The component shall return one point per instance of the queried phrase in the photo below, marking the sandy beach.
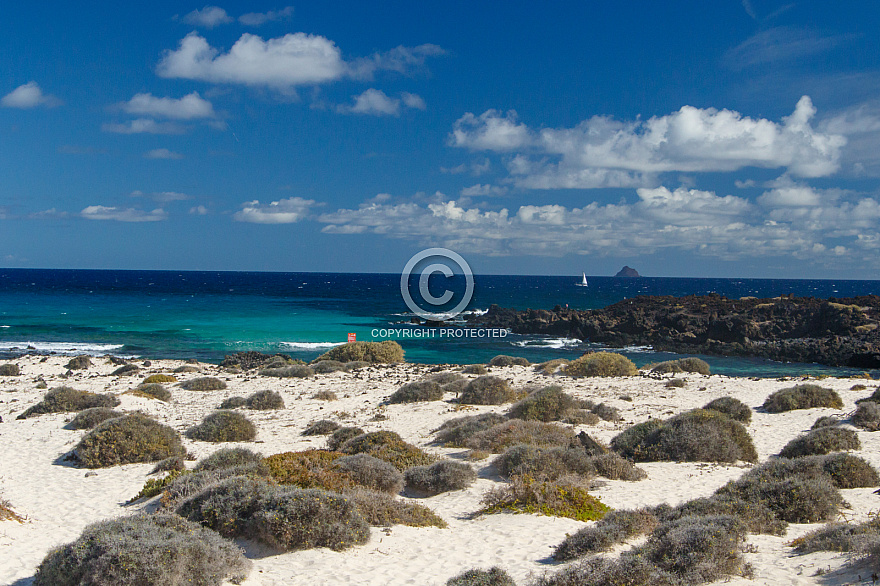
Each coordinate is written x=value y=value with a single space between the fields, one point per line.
x=57 y=499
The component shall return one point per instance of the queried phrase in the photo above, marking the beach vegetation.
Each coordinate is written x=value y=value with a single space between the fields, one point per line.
x=606 y=412
x=546 y=404
x=613 y=466
x=159 y=378
x=733 y=408
x=479 y=369
x=308 y=469
x=186 y=368
x=417 y=391
x=89 y=418
x=487 y=390
x=66 y=399
x=126 y=370
x=567 y=496
x=388 y=446
x=189 y=484
x=504 y=360
x=615 y=527
x=381 y=509
x=691 y=364
x=675 y=383
x=385 y=352
x=580 y=417
x=550 y=367
x=204 y=383
x=842 y=537
x=151 y=391
x=325 y=395
x=155 y=486
x=494 y=576
x=442 y=476
x=128 y=439
x=873 y=397
x=6 y=512
x=601 y=364
x=455 y=432
x=78 y=363
x=293 y=371
x=328 y=366
x=355 y=365
x=546 y=463
x=225 y=458
x=265 y=400
x=825 y=421
x=503 y=435
x=445 y=378
x=806 y=396
x=371 y=473
x=223 y=426
x=174 y=463
x=867 y=416
x=322 y=427
x=342 y=435
x=233 y=402
x=820 y=441
x=848 y=470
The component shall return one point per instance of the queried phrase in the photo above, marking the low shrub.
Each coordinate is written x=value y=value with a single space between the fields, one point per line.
x=325 y=396
x=126 y=370
x=355 y=365
x=155 y=486
x=552 y=366
x=821 y=441
x=694 y=436
x=581 y=417
x=145 y=550
x=228 y=458
x=172 y=464
x=309 y=469
x=546 y=404
x=442 y=476
x=89 y=418
x=867 y=416
x=385 y=352
x=825 y=421
x=615 y=467
x=733 y=408
x=204 y=383
x=494 y=576
x=417 y=391
x=474 y=369
x=756 y=515
x=455 y=432
x=675 y=383
x=601 y=364
x=544 y=463
x=388 y=446
x=78 y=363
x=848 y=471
x=843 y=537
x=284 y=518
x=381 y=509
x=233 y=403
x=6 y=512
x=186 y=368
x=606 y=412
x=874 y=397
x=265 y=400
x=185 y=486
x=370 y=472
x=683 y=365
x=805 y=396
x=504 y=360
x=66 y=400
x=487 y=390
x=615 y=527
x=328 y=366
x=564 y=497
x=128 y=439
x=445 y=378
x=223 y=426
x=295 y=371
x=342 y=435
x=159 y=378
x=516 y=431
x=152 y=391
x=321 y=427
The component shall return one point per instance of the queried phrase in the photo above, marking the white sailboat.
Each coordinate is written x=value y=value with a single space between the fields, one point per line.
x=583 y=282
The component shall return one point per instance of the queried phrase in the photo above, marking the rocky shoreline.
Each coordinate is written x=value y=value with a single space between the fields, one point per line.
x=834 y=331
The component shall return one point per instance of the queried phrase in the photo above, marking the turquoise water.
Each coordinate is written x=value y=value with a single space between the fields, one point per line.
x=206 y=315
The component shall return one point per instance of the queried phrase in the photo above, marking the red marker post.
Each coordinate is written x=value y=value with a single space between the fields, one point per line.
x=352 y=337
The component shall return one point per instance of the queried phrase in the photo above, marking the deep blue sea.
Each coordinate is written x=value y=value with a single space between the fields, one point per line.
x=206 y=315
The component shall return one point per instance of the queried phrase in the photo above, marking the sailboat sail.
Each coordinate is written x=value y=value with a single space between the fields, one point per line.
x=583 y=282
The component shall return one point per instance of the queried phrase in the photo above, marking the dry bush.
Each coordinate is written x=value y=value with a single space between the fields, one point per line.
x=516 y=431
x=186 y=368
x=825 y=421
x=172 y=464
x=204 y=383
x=228 y=458
x=309 y=469
x=546 y=404
x=233 y=403
x=867 y=416
x=551 y=366
x=189 y=484
x=843 y=537
x=342 y=435
x=606 y=412
x=126 y=370
x=370 y=472
x=805 y=396
x=265 y=400
x=601 y=364
x=564 y=497
x=544 y=463
x=581 y=417
x=445 y=378
x=821 y=441
x=321 y=427
x=159 y=378
x=388 y=446
x=78 y=363
x=295 y=371
x=758 y=517
x=615 y=527
x=10 y=369
x=381 y=509
x=494 y=576
x=504 y=360
x=385 y=352
x=683 y=365
x=152 y=391
x=442 y=476
x=128 y=439
x=89 y=418
x=474 y=369
x=66 y=400
x=875 y=397
x=615 y=467
x=675 y=383
x=733 y=408
x=145 y=550
x=694 y=436
x=356 y=365
x=848 y=471
x=223 y=426
x=487 y=390
x=417 y=391
x=328 y=366
x=455 y=432
x=325 y=396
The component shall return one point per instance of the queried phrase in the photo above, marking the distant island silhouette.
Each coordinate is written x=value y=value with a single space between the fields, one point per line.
x=627 y=272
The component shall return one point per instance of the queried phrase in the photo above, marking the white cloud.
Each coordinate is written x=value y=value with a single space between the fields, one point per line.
x=162 y=196
x=162 y=154
x=413 y=101
x=285 y=211
x=781 y=43
x=48 y=214
x=144 y=126
x=189 y=107
x=372 y=102
x=476 y=168
x=27 y=96
x=123 y=215
x=603 y=152
x=207 y=17
x=261 y=18
x=282 y=63
x=198 y=211
x=744 y=184
x=483 y=189
x=788 y=193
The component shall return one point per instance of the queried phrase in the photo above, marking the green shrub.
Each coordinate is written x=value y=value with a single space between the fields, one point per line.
x=186 y=368
x=825 y=421
x=283 y=518
x=325 y=396
x=128 y=439
x=867 y=416
x=733 y=408
x=552 y=366
x=223 y=426
x=126 y=370
x=805 y=396
x=355 y=365
x=295 y=371
x=821 y=441
x=370 y=472
x=204 y=383
x=504 y=360
x=601 y=364
x=328 y=366
x=385 y=352
x=682 y=365
x=606 y=412
x=146 y=550
x=78 y=363
x=233 y=403
x=381 y=509
x=414 y=392
x=309 y=469
x=228 y=458
x=152 y=391
x=547 y=404
x=564 y=497
x=615 y=467
x=155 y=486
x=492 y=577
x=188 y=485
x=455 y=432
x=265 y=400
x=342 y=435
x=756 y=515
x=442 y=476
x=172 y=464
x=581 y=417
x=516 y=431
x=694 y=436
x=848 y=471
x=388 y=446
x=159 y=378
x=474 y=369
x=874 y=397
x=89 y=418
x=544 y=463
x=445 y=378
x=487 y=390
x=66 y=400
x=321 y=427
x=843 y=537
x=615 y=527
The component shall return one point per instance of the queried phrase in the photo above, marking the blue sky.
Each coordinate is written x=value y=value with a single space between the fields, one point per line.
x=681 y=138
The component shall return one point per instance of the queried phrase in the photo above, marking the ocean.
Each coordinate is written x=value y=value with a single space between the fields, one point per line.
x=206 y=315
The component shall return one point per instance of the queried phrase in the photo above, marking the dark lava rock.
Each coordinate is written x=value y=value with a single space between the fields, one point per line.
x=627 y=272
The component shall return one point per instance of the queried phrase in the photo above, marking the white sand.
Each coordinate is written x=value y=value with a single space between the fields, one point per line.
x=59 y=500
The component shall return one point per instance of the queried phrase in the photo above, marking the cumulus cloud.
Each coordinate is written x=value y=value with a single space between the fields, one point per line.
x=144 y=126
x=261 y=18
x=207 y=17
x=123 y=215
x=375 y=102
x=162 y=154
x=189 y=107
x=483 y=189
x=198 y=211
x=413 y=101
x=285 y=211
x=400 y=59
x=603 y=152
x=29 y=95
x=476 y=168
